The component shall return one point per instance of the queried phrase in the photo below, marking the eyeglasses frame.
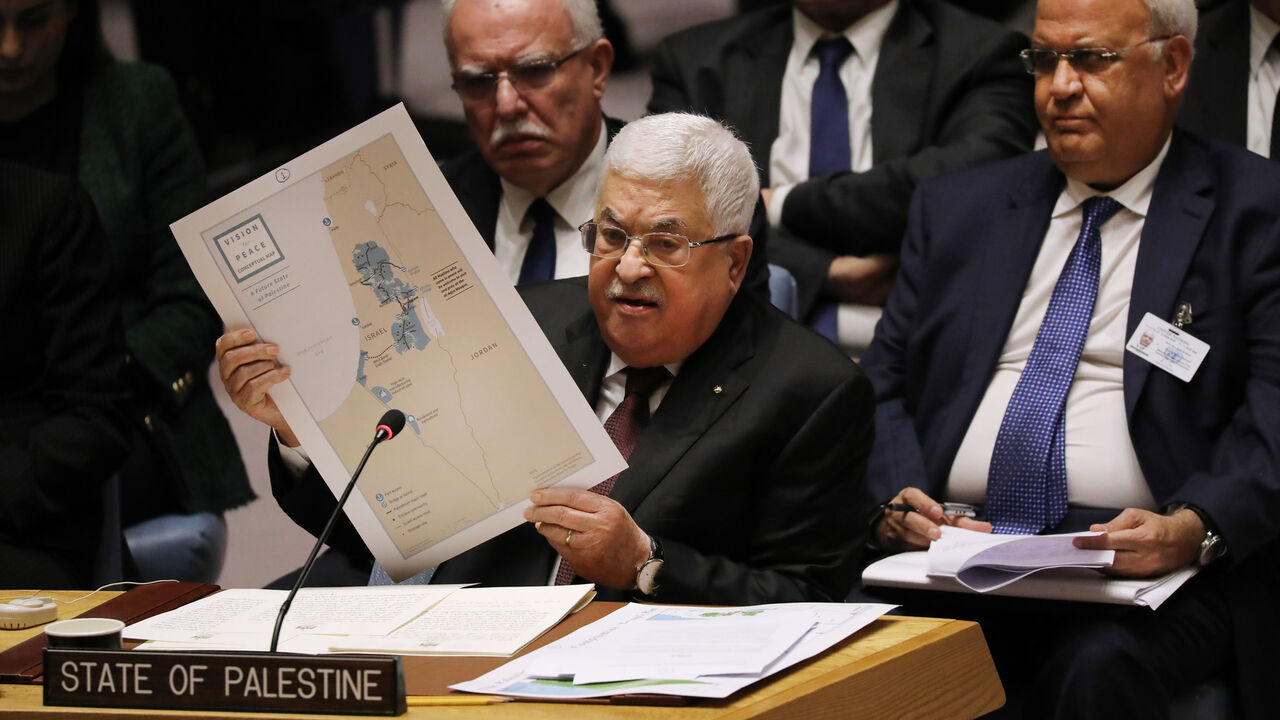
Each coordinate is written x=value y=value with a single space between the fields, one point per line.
x=1114 y=55
x=644 y=247
x=498 y=76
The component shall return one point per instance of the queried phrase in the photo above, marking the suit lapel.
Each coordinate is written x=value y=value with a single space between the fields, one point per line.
x=584 y=355
x=1180 y=208
x=1011 y=244
x=692 y=404
x=900 y=86
x=753 y=90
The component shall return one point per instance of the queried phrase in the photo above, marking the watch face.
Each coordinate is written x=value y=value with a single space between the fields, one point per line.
x=647 y=578
x=1211 y=548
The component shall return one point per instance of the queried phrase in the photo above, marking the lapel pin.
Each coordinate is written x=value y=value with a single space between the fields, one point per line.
x=717 y=389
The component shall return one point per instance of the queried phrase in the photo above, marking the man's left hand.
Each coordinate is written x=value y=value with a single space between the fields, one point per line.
x=606 y=545
x=1147 y=544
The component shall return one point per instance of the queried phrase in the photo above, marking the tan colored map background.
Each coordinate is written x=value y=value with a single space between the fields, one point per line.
x=488 y=430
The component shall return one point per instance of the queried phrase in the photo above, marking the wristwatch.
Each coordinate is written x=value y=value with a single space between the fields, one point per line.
x=1212 y=546
x=647 y=573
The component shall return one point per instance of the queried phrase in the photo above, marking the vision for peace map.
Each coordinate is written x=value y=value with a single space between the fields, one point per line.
x=358 y=261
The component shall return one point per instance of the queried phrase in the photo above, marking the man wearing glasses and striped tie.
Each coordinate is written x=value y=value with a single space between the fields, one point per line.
x=1088 y=338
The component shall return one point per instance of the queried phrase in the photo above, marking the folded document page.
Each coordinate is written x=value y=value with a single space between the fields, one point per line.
x=551 y=672
x=911 y=570
x=985 y=561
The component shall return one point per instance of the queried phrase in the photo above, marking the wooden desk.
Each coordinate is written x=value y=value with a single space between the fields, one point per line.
x=897 y=667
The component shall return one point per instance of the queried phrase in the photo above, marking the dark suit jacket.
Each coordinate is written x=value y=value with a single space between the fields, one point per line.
x=479 y=190
x=949 y=92
x=140 y=164
x=749 y=488
x=1211 y=238
x=63 y=398
x=1217 y=95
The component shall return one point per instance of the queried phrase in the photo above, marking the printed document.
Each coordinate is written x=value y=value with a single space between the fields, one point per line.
x=358 y=261
x=539 y=674
x=407 y=619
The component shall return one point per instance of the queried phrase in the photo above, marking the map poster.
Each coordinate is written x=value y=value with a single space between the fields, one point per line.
x=358 y=261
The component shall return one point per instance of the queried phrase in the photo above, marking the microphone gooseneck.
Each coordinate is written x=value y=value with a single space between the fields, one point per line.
x=389 y=425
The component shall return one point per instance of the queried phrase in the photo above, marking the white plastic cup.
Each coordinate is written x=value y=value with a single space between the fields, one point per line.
x=85 y=634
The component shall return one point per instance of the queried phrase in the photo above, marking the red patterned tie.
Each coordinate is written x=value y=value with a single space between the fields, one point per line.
x=624 y=426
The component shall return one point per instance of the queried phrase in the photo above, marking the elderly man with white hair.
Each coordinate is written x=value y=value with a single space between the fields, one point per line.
x=1088 y=339
x=746 y=434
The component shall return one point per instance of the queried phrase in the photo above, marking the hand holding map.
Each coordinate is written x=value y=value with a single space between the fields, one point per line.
x=358 y=262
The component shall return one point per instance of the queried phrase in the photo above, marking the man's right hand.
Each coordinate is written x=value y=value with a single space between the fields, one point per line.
x=899 y=531
x=249 y=370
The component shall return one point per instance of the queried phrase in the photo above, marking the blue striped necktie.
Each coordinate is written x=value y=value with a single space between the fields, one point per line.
x=1027 y=481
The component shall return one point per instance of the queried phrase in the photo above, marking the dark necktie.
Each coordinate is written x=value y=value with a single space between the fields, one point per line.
x=829 y=143
x=624 y=426
x=540 y=259
x=1275 y=113
x=829 y=112
x=1027 y=480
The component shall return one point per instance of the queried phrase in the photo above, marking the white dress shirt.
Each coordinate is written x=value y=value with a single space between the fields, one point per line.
x=1102 y=468
x=1264 y=81
x=574 y=201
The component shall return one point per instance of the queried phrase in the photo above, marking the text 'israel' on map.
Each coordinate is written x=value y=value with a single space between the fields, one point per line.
x=359 y=262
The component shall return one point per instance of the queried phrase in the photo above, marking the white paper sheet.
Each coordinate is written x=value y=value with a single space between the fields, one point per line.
x=249 y=613
x=835 y=622
x=682 y=643
x=985 y=561
x=497 y=621
x=911 y=570
x=359 y=262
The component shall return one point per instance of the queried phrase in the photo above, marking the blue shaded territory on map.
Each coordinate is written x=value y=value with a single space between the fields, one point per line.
x=381 y=393
x=413 y=423
x=360 y=376
x=378 y=273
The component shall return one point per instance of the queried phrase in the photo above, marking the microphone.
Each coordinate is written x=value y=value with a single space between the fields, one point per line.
x=389 y=425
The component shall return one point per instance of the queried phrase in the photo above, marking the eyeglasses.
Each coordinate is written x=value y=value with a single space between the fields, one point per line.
x=659 y=248
x=475 y=87
x=1089 y=61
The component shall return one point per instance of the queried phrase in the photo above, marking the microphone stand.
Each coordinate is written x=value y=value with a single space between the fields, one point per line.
x=324 y=535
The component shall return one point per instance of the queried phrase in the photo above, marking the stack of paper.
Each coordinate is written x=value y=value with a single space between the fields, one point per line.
x=1045 y=566
x=984 y=561
x=674 y=650
x=409 y=619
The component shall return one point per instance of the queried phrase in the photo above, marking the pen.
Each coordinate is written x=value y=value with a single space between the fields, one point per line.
x=948 y=508
x=440 y=700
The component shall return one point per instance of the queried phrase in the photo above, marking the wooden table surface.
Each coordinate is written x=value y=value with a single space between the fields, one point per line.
x=897 y=667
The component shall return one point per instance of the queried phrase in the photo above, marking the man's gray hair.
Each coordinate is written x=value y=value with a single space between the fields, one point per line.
x=583 y=18
x=675 y=146
x=1173 y=17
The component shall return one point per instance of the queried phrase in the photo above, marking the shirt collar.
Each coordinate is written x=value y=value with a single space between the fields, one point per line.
x=1262 y=32
x=616 y=365
x=575 y=198
x=1134 y=194
x=865 y=35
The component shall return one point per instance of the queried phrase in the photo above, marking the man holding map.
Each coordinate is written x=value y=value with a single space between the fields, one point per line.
x=746 y=434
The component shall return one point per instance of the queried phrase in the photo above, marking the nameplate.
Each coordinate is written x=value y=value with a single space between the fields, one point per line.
x=225 y=681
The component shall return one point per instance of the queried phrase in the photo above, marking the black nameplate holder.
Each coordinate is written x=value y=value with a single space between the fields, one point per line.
x=225 y=681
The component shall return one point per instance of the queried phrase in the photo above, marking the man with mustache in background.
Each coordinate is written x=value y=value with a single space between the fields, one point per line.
x=530 y=76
